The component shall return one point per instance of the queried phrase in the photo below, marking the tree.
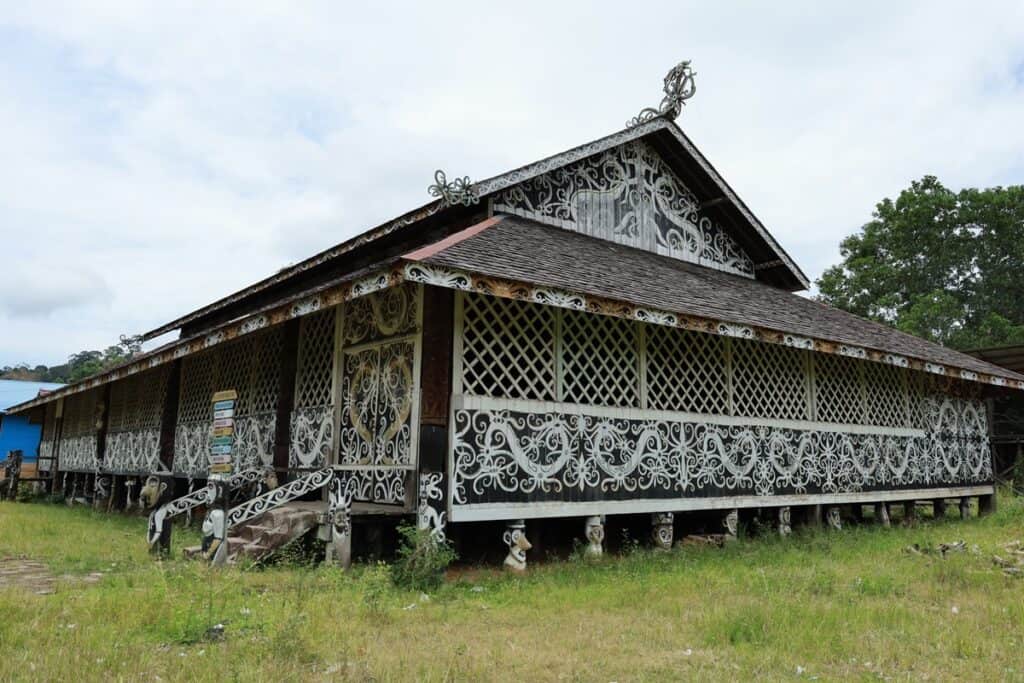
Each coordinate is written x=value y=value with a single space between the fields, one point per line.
x=80 y=365
x=943 y=265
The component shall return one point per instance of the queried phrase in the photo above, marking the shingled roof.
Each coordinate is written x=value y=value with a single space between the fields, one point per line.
x=518 y=249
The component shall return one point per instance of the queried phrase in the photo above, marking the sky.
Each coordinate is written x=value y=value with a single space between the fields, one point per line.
x=157 y=156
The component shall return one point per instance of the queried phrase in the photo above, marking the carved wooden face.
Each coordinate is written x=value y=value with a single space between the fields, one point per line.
x=151 y=491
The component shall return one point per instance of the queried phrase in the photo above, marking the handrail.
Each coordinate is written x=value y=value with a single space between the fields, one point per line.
x=279 y=496
x=203 y=496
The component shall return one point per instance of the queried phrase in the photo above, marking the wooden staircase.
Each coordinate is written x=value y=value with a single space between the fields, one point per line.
x=260 y=536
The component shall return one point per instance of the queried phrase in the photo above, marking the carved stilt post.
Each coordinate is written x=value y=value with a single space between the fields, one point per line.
x=731 y=522
x=339 y=519
x=129 y=494
x=594 y=531
x=430 y=512
x=882 y=514
x=939 y=508
x=965 y=507
x=515 y=539
x=814 y=516
x=662 y=530
x=785 y=521
x=834 y=517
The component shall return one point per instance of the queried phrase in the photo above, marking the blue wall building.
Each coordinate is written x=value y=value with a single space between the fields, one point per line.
x=17 y=432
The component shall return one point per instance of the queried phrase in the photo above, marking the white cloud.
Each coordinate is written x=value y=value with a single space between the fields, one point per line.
x=177 y=153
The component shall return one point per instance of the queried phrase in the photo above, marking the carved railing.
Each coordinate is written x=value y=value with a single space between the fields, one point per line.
x=279 y=496
x=203 y=496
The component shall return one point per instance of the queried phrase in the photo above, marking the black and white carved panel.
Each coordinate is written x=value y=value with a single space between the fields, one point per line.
x=312 y=437
x=502 y=456
x=628 y=195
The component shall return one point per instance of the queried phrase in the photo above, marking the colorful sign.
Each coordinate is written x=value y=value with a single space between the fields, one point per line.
x=223 y=440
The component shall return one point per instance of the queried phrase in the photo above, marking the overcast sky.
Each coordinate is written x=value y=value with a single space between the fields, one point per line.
x=156 y=158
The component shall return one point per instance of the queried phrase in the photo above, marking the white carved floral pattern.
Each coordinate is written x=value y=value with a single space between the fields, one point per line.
x=503 y=456
x=628 y=195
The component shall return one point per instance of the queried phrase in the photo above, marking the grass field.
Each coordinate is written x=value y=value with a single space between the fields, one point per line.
x=819 y=605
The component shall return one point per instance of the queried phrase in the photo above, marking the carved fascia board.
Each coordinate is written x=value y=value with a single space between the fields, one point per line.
x=440 y=276
x=298 y=307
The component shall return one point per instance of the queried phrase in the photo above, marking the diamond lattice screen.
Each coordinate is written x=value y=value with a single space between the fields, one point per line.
x=838 y=389
x=686 y=371
x=769 y=380
x=197 y=379
x=508 y=348
x=887 y=395
x=80 y=414
x=600 y=360
x=265 y=371
x=314 y=380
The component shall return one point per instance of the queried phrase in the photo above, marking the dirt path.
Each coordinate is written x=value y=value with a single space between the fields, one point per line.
x=35 y=576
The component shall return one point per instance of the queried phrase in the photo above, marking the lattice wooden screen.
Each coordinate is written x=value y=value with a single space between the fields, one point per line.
x=136 y=402
x=508 y=348
x=600 y=360
x=886 y=395
x=769 y=380
x=50 y=422
x=513 y=349
x=838 y=389
x=686 y=371
x=315 y=374
x=80 y=414
x=198 y=374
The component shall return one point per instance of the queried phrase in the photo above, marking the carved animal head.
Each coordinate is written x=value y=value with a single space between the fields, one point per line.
x=520 y=541
x=151 y=491
x=270 y=479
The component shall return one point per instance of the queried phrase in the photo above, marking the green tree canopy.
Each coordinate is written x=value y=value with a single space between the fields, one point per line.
x=943 y=265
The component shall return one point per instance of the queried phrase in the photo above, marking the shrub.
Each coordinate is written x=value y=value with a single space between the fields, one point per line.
x=421 y=559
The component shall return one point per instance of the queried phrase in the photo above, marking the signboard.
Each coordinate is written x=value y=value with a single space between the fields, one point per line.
x=223 y=440
x=227 y=395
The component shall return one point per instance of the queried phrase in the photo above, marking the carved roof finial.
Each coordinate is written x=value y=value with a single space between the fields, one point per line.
x=679 y=87
x=458 y=191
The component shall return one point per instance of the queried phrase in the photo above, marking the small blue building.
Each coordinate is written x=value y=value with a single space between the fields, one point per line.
x=20 y=432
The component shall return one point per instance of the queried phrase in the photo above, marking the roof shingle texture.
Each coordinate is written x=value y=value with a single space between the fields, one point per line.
x=521 y=249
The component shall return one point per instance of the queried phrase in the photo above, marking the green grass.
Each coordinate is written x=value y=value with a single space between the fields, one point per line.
x=849 y=605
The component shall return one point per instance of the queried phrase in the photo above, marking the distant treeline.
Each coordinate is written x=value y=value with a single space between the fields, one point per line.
x=79 y=366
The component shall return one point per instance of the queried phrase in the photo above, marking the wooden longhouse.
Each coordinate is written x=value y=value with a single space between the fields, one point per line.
x=606 y=331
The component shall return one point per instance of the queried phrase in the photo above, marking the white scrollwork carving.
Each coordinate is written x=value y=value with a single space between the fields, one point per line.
x=312 y=434
x=279 y=496
x=430 y=512
x=78 y=454
x=505 y=456
x=679 y=86
x=440 y=277
x=133 y=452
x=628 y=195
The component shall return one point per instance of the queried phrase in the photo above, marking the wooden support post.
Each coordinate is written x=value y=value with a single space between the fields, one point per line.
x=814 y=516
x=965 y=507
x=986 y=505
x=882 y=514
x=662 y=530
x=910 y=512
x=594 y=532
x=515 y=539
x=857 y=513
x=939 y=508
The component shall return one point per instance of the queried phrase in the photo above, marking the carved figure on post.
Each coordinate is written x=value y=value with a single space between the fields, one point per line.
x=339 y=519
x=731 y=522
x=785 y=521
x=834 y=517
x=594 y=530
x=662 y=530
x=515 y=539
